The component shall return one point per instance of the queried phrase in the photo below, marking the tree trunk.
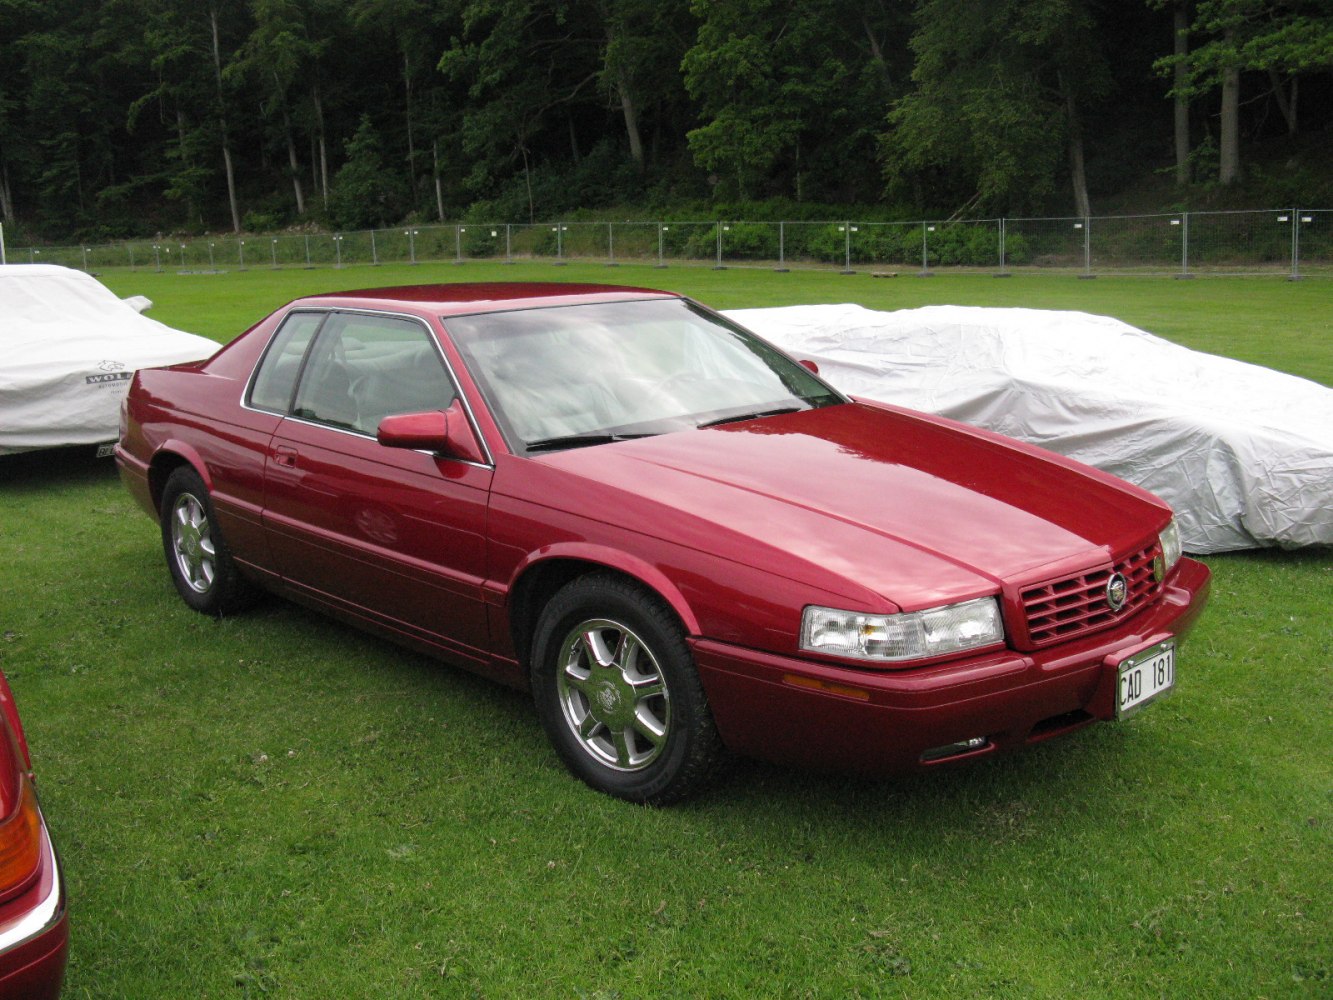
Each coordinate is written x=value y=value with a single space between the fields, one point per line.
x=799 y=192
x=527 y=180
x=222 y=121
x=292 y=162
x=1228 y=166
x=180 y=143
x=1077 y=171
x=877 y=54
x=6 y=196
x=1181 y=25
x=1287 y=107
x=439 y=188
x=632 y=125
x=411 y=143
x=323 y=149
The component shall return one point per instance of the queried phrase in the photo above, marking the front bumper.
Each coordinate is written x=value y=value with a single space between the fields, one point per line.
x=34 y=934
x=801 y=712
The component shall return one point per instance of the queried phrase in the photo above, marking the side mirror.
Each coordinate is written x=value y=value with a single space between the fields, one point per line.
x=807 y=363
x=445 y=432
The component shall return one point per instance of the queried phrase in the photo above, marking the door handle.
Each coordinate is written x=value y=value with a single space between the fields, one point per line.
x=284 y=456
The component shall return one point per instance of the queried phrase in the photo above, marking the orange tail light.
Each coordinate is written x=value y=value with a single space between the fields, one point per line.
x=20 y=843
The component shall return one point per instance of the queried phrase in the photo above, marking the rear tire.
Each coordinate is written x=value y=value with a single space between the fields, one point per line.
x=618 y=694
x=201 y=565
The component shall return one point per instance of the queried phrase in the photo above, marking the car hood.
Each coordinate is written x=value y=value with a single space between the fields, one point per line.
x=860 y=500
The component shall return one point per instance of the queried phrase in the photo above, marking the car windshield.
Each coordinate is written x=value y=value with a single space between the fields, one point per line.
x=588 y=374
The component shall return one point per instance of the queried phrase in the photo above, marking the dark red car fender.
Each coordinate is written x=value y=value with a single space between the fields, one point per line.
x=614 y=559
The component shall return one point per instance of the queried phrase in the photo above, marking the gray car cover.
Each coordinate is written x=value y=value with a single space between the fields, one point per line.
x=1242 y=453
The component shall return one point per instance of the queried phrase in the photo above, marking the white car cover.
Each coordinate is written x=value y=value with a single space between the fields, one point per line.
x=68 y=348
x=1242 y=453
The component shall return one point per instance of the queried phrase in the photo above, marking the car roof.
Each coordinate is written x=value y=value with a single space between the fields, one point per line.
x=485 y=296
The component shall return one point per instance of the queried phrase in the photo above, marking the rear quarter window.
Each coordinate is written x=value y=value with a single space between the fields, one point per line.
x=276 y=378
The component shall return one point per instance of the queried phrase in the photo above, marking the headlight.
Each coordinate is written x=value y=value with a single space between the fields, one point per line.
x=1170 y=541
x=911 y=635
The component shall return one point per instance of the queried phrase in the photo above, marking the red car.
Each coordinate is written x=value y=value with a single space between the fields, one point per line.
x=34 y=929
x=678 y=538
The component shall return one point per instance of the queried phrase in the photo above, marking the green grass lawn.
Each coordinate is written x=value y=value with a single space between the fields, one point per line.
x=277 y=805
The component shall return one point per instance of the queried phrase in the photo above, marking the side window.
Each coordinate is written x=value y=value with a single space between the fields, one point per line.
x=273 y=385
x=364 y=368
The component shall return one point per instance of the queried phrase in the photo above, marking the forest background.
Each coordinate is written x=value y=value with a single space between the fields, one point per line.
x=128 y=117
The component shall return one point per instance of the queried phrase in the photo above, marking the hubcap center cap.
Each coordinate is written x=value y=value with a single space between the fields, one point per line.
x=610 y=702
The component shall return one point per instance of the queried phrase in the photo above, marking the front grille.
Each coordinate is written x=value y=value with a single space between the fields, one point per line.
x=1076 y=605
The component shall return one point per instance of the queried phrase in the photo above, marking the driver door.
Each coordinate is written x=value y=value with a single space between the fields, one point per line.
x=392 y=536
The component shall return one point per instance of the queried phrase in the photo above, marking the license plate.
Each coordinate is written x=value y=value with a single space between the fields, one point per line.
x=1144 y=676
x=106 y=450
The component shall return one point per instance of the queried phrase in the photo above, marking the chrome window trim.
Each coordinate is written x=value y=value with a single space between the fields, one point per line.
x=387 y=314
x=254 y=372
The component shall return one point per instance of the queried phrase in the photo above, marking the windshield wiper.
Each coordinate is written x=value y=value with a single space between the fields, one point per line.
x=578 y=441
x=752 y=416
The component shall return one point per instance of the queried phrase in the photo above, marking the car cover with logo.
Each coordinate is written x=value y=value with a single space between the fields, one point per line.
x=1242 y=453
x=68 y=348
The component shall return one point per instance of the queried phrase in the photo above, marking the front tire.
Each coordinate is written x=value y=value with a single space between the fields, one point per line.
x=618 y=694
x=201 y=565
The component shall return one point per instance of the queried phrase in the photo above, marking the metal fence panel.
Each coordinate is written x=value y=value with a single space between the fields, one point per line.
x=1046 y=243
x=1151 y=243
x=1240 y=241
x=1297 y=242
x=1315 y=243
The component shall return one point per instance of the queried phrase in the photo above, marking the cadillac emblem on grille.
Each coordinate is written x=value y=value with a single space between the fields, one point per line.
x=1117 y=591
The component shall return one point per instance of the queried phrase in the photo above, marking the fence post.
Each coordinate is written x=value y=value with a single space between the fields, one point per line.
x=925 y=271
x=782 y=248
x=661 y=262
x=1002 y=273
x=338 y=249
x=718 y=266
x=847 y=248
x=1184 y=223
x=130 y=247
x=610 y=244
x=509 y=250
x=458 y=244
x=1295 y=245
x=1086 y=226
x=374 y=251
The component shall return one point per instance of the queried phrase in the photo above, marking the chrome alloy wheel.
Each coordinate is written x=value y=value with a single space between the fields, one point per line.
x=192 y=543
x=613 y=695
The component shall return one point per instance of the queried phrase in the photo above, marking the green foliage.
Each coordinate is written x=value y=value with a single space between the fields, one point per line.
x=113 y=116
x=1286 y=36
x=994 y=83
x=364 y=194
x=788 y=92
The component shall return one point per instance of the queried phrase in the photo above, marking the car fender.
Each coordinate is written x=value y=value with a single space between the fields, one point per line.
x=179 y=449
x=615 y=559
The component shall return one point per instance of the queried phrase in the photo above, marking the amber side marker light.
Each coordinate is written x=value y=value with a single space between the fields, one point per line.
x=20 y=844
x=814 y=684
